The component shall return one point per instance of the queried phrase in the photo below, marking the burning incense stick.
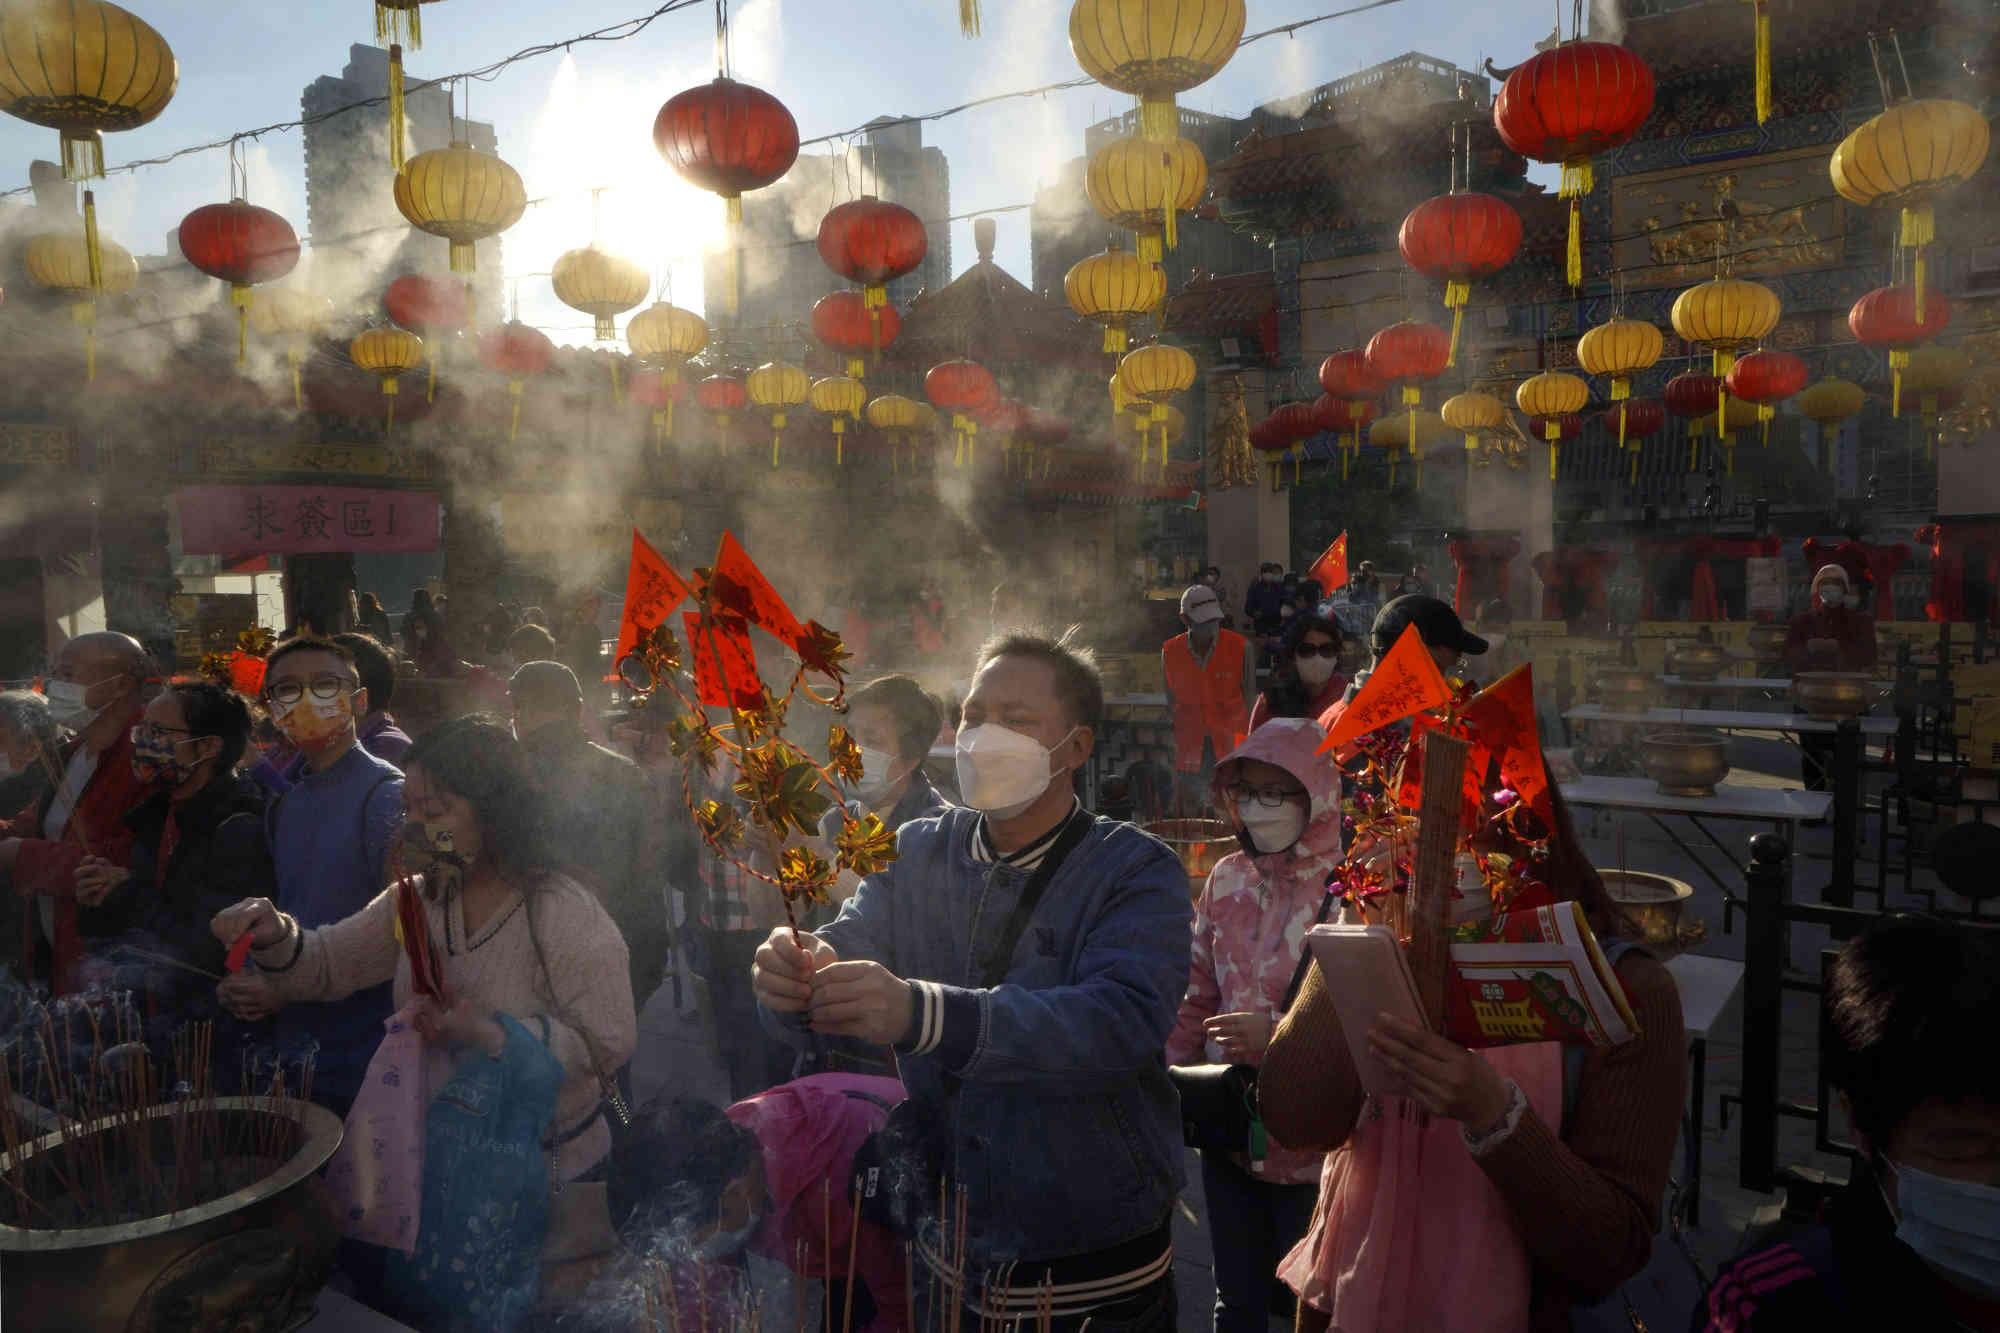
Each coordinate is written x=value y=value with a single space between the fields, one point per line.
x=853 y=1247
x=168 y=961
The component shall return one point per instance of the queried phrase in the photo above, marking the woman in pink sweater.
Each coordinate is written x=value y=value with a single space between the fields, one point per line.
x=509 y=937
x=1249 y=935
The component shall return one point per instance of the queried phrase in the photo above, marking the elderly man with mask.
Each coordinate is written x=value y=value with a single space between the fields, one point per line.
x=1829 y=635
x=1211 y=675
x=98 y=691
x=1026 y=960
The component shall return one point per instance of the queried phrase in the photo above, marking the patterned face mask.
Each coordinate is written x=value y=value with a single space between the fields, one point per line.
x=154 y=757
x=431 y=850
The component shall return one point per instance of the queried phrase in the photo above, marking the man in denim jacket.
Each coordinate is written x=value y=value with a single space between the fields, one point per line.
x=1048 y=1093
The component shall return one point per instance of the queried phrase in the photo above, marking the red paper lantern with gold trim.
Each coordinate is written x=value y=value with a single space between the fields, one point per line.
x=1767 y=377
x=1346 y=375
x=845 y=322
x=242 y=245
x=962 y=388
x=1455 y=239
x=727 y=138
x=516 y=350
x=872 y=242
x=1887 y=318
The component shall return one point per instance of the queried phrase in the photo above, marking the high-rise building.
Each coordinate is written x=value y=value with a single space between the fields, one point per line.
x=359 y=240
x=781 y=273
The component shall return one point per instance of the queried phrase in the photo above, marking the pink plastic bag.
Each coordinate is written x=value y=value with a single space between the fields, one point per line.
x=376 y=1178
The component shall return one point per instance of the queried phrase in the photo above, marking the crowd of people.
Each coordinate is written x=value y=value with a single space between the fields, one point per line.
x=964 y=1089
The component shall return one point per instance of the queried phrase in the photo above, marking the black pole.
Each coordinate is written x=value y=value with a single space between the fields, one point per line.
x=1763 y=1001
x=1846 y=786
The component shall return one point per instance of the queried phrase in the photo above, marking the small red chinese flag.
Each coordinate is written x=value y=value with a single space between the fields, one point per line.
x=740 y=587
x=652 y=591
x=1404 y=682
x=725 y=665
x=1330 y=570
x=1502 y=719
x=246 y=672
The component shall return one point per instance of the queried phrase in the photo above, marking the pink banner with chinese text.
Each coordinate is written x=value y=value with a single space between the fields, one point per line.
x=246 y=520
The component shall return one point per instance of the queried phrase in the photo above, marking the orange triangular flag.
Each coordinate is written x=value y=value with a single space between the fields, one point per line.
x=740 y=587
x=725 y=665
x=1502 y=719
x=652 y=591
x=1330 y=570
x=1405 y=681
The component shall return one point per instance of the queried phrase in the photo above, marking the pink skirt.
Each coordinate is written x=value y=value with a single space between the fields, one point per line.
x=1409 y=1233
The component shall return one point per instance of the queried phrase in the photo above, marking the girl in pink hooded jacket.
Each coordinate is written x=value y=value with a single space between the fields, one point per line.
x=1249 y=935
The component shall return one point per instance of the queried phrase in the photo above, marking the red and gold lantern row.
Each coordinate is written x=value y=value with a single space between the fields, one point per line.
x=721 y=396
x=728 y=138
x=961 y=388
x=242 y=245
x=872 y=242
x=516 y=350
x=431 y=308
x=660 y=394
x=1692 y=397
x=1887 y=318
x=1347 y=418
x=848 y=325
x=1766 y=379
x=1406 y=356
x=1457 y=239
x=1553 y=399
x=1567 y=105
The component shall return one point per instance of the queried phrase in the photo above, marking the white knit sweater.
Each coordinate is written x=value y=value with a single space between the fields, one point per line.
x=495 y=971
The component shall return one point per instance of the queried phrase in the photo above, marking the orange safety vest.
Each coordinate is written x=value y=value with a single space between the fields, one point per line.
x=1208 y=700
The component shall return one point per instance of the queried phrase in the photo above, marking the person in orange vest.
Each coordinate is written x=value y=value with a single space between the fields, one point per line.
x=1211 y=678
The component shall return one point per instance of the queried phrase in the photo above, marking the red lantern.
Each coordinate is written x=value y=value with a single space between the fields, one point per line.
x=242 y=245
x=1887 y=317
x=1346 y=375
x=872 y=242
x=1566 y=427
x=1456 y=238
x=660 y=394
x=1569 y=104
x=1408 y=354
x=845 y=322
x=728 y=138
x=516 y=351
x=1635 y=419
x=428 y=307
x=1767 y=377
x=961 y=388
x=1692 y=396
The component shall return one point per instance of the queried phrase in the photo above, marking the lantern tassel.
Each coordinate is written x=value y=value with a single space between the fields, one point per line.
x=514 y=389
x=298 y=360
x=464 y=259
x=1114 y=340
x=1919 y=230
x=1170 y=203
x=389 y=389
x=398 y=131
x=968 y=17
x=1456 y=294
x=1899 y=361
x=239 y=296
x=1764 y=414
x=732 y=217
x=1555 y=452
x=1343 y=465
x=83 y=155
x=431 y=386
x=1159 y=118
x=1621 y=425
x=1763 y=12
x=93 y=255
x=617 y=388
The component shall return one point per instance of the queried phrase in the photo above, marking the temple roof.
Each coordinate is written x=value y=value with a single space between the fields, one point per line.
x=1213 y=306
x=989 y=315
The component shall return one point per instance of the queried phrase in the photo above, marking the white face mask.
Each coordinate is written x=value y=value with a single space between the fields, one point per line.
x=1953 y=1225
x=1314 y=671
x=1271 y=828
x=68 y=704
x=876 y=767
x=1001 y=771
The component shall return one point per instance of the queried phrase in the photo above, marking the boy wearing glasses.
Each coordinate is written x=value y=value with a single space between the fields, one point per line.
x=330 y=840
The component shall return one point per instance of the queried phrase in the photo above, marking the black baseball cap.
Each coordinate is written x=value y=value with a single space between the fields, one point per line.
x=1437 y=624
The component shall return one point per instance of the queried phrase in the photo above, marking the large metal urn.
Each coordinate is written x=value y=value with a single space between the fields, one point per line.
x=1623 y=689
x=251 y=1261
x=1698 y=661
x=1767 y=643
x=1199 y=843
x=1685 y=762
x=1829 y=696
x=1658 y=907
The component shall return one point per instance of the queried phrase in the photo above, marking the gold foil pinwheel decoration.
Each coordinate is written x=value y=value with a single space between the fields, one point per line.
x=778 y=796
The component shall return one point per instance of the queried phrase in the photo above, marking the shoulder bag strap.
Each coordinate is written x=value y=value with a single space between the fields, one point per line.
x=1305 y=953
x=1031 y=897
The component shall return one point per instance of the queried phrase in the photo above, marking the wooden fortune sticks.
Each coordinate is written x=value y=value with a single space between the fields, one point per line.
x=1433 y=872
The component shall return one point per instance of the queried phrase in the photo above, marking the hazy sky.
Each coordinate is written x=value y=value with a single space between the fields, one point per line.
x=570 y=122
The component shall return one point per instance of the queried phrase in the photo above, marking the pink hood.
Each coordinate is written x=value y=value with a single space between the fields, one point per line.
x=1290 y=743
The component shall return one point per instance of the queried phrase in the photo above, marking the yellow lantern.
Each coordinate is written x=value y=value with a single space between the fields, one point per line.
x=1472 y=413
x=842 y=399
x=1933 y=371
x=463 y=195
x=1726 y=315
x=1144 y=186
x=1617 y=350
x=665 y=336
x=1829 y=403
x=599 y=284
x=1905 y=158
x=1154 y=49
x=895 y=416
x=387 y=353
x=1138 y=419
x=778 y=386
x=1414 y=431
x=1113 y=289
x=1155 y=373
x=296 y=315
x=1552 y=395
x=82 y=67
x=65 y=262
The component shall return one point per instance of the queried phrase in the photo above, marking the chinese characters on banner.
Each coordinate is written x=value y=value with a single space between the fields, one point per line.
x=652 y=590
x=296 y=520
x=1405 y=681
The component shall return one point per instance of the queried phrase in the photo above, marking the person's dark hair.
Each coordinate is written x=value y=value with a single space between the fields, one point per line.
x=1078 y=683
x=532 y=643
x=375 y=663
x=916 y=710
x=668 y=1172
x=420 y=601
x=309 y=643
x=27 y=714
x=478 y=760
x=212 y=709
x=1908 y=1004
x=369 y=602
x=1287 y=695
